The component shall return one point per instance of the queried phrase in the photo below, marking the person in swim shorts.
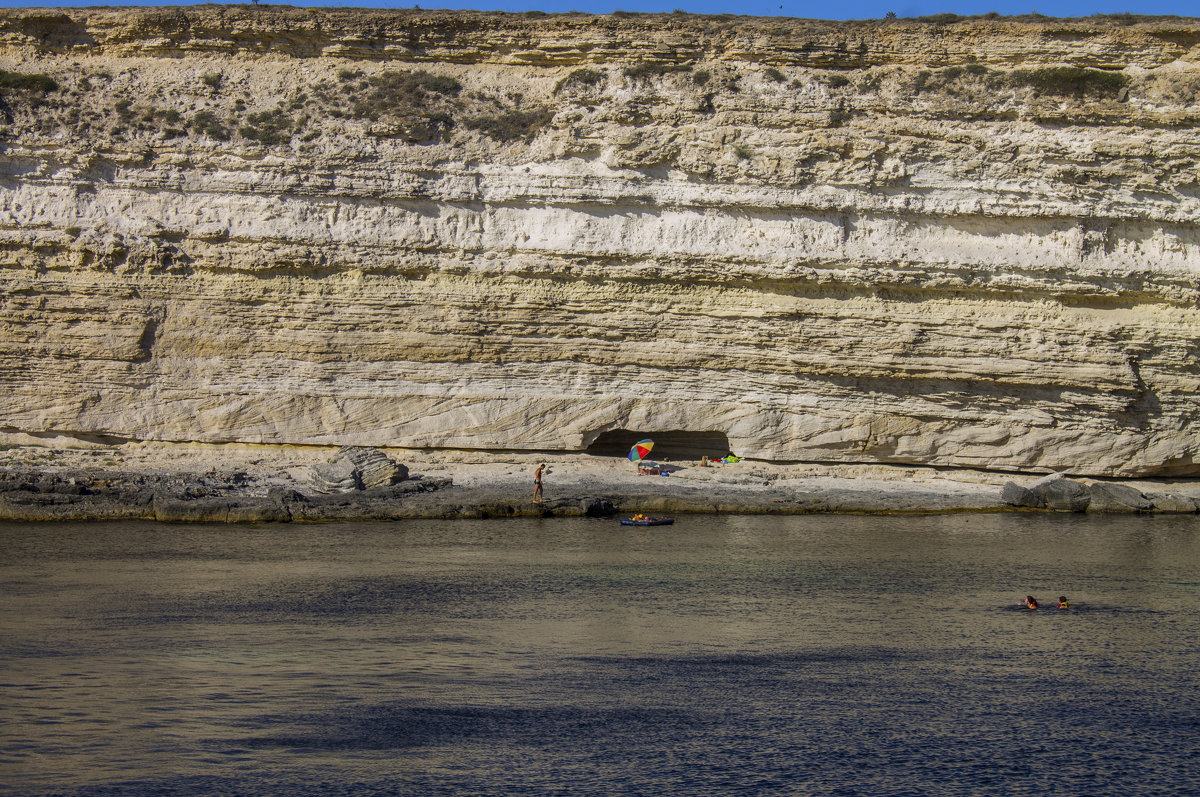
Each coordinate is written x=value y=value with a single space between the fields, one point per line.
x=537 y=483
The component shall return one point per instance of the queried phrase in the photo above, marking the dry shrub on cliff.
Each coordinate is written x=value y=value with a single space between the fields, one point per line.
x=1058 y=81
x=31 y=88
x=940 y=19
x=133 y=117
x=1070 y=81
x=415 y=105
x=21 y=81
x=949 y=80
x=268 y=128
x=404 y=92
x=207 y=123
x=512 y=125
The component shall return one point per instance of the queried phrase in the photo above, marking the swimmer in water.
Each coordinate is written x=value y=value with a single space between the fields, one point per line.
x=1030 y=602
x=1062 y=602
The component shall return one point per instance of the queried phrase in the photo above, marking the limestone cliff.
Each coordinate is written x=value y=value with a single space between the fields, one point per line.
x=960 y=243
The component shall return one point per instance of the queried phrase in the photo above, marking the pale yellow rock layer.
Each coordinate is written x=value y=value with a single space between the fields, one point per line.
x=877 y=242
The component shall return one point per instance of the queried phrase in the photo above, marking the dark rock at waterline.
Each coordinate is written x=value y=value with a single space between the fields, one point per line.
x=381 y=503
x=282 y=505
x=219 y=510
x=1014 y=494
x=285 y=496
x=1058 y=493
x=597 y=507
x=1116 y=498
x=48 y=485
x=1172 y=504
x=212 y=498
x=1054 y=492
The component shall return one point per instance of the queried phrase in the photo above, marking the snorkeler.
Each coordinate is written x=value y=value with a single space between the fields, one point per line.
x=1062 y=602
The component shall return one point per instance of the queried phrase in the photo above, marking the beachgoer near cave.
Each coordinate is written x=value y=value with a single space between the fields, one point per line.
x=1062 y=602
x=537 y=483
x=1030 y=602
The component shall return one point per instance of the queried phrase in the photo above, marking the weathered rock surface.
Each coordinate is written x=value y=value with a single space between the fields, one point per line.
x=1171 y=503
x=339 y=476
x=1117 y=498
x=357 y=468
x=180 y=498
x=972 y=244
x=1058 y=493
x=375 y=469
x=1014 y=494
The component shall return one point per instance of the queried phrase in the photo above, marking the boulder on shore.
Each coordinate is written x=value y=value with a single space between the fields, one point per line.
x=1014 y=494
x=1061 y=494
x=1116 y=498
x=356 y=468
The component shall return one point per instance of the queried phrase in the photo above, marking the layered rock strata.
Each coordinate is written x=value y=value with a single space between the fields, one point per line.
x=957 y=243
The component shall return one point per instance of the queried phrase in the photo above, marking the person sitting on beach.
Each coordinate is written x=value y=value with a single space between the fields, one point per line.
x=1030 y=602
x=1062 y=602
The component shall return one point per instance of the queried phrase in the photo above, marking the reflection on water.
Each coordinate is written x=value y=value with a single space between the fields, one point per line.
x=748 y=655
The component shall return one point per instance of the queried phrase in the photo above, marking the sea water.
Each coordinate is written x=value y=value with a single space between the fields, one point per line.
x=823 y=655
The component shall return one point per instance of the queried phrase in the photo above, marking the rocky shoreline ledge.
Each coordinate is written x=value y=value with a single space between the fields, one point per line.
x=248 y=484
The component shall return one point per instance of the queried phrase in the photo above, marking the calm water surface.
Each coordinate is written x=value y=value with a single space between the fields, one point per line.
x=723 y=655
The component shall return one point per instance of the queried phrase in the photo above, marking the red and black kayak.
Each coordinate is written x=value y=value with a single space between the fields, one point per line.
x=650 y=521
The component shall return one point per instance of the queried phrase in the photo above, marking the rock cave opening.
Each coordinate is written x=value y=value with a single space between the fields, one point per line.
x=674 y=445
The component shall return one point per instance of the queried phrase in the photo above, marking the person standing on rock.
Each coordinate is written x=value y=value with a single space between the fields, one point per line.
x=537 y=483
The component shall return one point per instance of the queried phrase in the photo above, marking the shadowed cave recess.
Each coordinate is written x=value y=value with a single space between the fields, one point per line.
x=676 y=444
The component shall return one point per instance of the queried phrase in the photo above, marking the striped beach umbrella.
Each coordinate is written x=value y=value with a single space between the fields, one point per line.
x=640 y=450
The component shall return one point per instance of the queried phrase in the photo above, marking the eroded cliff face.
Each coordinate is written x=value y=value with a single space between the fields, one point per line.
x=970 y=244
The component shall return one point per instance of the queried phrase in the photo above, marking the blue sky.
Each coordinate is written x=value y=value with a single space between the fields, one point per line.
x=843 y=9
